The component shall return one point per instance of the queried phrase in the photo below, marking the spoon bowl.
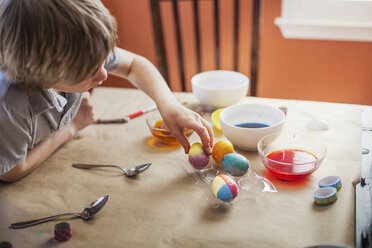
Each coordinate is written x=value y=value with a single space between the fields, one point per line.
x=86 y=214
x=94 y=207
x=128 y=172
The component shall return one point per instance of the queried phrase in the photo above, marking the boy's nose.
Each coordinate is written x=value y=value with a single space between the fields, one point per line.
x=101 y=75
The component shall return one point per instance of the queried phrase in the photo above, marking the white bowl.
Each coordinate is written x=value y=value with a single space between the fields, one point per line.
x=219 y=89
x=271 y=120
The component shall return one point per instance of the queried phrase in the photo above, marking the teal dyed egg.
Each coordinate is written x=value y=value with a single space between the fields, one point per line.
x=235 y=164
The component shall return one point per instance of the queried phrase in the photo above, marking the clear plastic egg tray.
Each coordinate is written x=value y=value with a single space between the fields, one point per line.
x=250 y=185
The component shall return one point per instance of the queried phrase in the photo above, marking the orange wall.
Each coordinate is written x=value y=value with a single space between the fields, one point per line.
x=134 y=31
x=334 y=71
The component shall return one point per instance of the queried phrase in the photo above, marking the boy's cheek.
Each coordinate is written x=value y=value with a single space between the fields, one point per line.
x=101 y=76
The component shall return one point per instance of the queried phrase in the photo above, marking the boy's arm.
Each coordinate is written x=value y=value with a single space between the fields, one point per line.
x=38 y=154
x=46 y=147
x=145 y=76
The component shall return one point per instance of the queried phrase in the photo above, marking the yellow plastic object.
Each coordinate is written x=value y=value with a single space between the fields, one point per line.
x=216 y=118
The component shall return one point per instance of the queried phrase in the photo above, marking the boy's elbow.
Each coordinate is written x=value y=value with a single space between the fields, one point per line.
x=7 y=179
x=14 y=174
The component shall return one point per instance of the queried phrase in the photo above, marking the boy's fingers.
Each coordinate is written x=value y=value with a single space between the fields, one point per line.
x=210 y=131
x=183 y=140
x=201 y=128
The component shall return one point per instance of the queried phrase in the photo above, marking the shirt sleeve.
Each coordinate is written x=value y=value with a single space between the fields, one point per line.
x=15 y=129
x=113 y=60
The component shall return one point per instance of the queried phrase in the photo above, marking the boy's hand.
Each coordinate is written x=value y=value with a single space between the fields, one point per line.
x=178 y=117
x=84 y=116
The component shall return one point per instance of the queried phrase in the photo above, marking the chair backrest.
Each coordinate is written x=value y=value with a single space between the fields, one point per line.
x=176 y=16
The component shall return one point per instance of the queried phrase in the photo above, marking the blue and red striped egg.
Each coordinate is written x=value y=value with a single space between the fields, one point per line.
x=224 y=188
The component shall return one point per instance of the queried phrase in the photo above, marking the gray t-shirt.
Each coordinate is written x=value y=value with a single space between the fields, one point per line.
x=26 y=119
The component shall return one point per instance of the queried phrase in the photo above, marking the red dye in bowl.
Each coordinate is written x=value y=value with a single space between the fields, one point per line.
x=291 y=164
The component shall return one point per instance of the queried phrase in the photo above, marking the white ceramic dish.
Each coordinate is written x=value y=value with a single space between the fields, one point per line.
x=219 y=88
x=244 y=137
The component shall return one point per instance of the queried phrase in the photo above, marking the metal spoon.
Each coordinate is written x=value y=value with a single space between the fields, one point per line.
x=128 y=172
x=86 y=214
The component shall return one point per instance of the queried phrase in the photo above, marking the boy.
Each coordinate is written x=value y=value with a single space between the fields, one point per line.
x=51 y=51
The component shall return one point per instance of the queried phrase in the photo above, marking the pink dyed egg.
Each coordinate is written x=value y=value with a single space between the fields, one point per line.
x=197 y=156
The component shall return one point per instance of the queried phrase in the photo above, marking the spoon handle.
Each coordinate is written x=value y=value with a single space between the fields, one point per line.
x=88 y=166
x=38 y=221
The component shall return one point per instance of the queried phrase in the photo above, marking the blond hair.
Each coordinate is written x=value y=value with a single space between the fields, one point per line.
x=44 y=42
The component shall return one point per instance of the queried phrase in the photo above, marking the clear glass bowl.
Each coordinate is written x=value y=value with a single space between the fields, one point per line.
x=291 y=155
x=162 y=133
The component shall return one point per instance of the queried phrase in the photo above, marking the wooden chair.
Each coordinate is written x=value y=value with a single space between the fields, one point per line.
x=161 y=48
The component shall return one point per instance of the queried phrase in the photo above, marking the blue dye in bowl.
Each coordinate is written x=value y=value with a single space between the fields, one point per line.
x=252 y=125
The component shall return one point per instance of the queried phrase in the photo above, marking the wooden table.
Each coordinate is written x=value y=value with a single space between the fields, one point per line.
x=162 y=207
